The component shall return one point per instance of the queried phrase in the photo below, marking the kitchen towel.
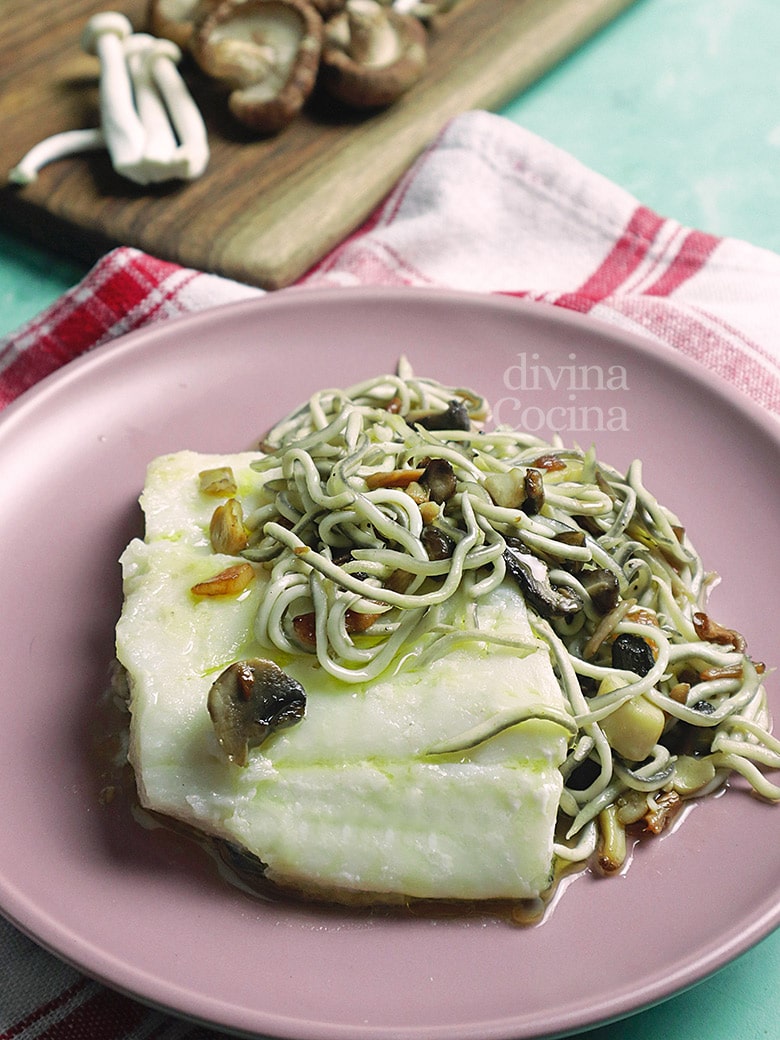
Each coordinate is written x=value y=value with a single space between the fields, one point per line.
x=488 y=207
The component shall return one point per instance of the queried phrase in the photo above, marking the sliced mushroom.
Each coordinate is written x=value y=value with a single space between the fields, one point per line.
x=603 y=588
x=372 y=54
x=439 y=477
x=533 y=485
x=454 y=417
x=266 y=53
x=399 y=580
x=574 y=537
x=437 y=544
x=305 y=629
x=251 y=700
x=532 y=576
x=631 y=653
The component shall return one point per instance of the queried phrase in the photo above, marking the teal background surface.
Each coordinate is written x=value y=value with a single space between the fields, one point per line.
x=678 y=101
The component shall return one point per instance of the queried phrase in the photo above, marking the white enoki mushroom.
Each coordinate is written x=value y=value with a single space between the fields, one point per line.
x=150 y=123
x=176 y=144
x=59 y=146
x=125 y=135
x=159 y=140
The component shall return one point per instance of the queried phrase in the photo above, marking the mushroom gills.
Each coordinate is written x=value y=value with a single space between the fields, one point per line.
x=265 y=53
x=350 y=798
x=372 y=54
x=258 y=50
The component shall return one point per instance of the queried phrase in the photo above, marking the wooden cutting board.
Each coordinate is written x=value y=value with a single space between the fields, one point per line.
x=265 y=210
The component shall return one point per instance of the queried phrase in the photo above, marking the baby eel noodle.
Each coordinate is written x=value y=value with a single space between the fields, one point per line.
x=353 y=580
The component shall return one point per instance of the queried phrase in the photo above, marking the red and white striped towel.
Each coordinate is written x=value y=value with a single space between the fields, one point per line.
x=488 y=207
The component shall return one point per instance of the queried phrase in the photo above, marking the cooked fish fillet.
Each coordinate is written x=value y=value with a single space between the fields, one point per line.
x=355 y=797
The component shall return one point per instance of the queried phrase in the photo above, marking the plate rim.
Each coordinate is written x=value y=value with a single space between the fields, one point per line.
x=110 y=352
x=327 y=295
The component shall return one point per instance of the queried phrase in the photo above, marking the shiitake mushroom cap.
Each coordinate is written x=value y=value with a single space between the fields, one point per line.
x=265 y=53
x=249 y=701
x=369 y=84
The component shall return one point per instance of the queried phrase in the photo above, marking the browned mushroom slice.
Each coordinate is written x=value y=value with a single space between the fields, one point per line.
x=439 y=477
x=249 y=701
x=372 y=54
x=531 y=574
x=454 y=417
x=266 y=53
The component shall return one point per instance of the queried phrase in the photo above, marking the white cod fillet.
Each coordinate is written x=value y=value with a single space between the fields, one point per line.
x=348 y=799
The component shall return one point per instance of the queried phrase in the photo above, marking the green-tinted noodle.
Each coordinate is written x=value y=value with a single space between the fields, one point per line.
x=354 y=557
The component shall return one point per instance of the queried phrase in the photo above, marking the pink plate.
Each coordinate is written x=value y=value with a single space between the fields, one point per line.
x=145 y=911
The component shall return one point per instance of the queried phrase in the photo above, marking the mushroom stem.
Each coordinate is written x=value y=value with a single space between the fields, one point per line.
x=165 y=105
x=160 y=143
x=372 y=40
x=185 y=115
x=151 y=126
x=125 y=136
x=372 y=54
x=58 y=146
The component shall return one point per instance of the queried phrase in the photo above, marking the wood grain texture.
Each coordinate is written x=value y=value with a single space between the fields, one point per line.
x=266 y=210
